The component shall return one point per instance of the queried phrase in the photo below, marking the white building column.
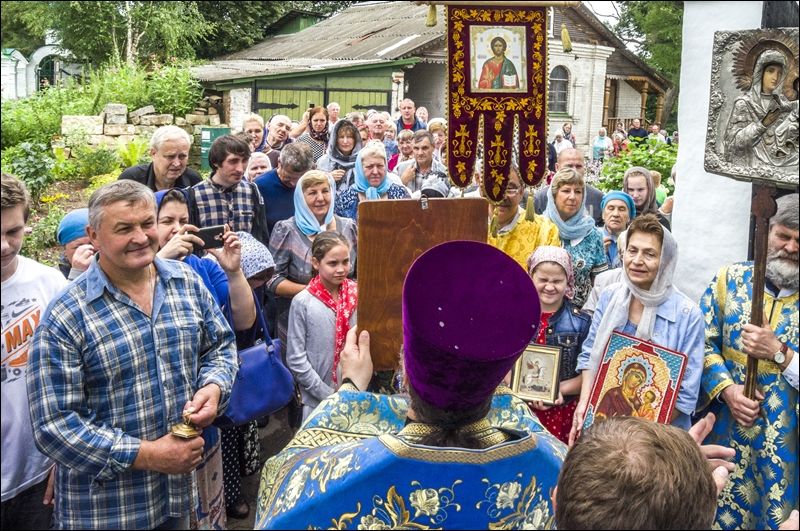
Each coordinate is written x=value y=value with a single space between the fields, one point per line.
x=711 y=219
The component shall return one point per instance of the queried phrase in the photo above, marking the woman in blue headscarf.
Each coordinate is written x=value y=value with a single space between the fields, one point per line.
x=602 y=146
x=372 y=182
x=566 y=200
x=291 y=239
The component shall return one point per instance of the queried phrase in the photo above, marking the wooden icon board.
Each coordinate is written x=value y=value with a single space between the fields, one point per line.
x=391 y=235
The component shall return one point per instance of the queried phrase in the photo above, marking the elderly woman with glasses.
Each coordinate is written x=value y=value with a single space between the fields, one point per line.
x=516 y=236
x=566 y=200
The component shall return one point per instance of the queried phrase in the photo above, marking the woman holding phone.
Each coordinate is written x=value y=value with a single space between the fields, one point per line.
x=225 y=280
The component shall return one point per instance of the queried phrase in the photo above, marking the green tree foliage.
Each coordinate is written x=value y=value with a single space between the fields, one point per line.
x=240 y=25
x=656 y=29
x=102 y=31
x=15 y=31
x=127 y=31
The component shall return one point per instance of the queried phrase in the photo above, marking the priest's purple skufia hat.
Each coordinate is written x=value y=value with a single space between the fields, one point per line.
x=469 y=310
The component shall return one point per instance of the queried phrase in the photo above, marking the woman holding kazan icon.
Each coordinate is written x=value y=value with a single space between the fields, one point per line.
x=646 y=305
x=498 y=72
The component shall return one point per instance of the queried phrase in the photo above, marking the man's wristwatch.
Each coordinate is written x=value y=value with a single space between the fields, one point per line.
x=780 y=356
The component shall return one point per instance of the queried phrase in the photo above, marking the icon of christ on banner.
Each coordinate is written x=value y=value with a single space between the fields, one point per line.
x=499 y=52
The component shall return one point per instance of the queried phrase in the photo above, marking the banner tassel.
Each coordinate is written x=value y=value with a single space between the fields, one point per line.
x=431 y=20
x=530 y=213
x=566 y=42
x=493 y=224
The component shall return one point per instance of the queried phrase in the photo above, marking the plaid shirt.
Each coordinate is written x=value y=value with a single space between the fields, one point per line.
x=103 y=376
x=218 y=205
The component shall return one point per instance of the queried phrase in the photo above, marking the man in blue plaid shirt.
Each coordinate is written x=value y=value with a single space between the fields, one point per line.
x=123 y=354
x=226 y=196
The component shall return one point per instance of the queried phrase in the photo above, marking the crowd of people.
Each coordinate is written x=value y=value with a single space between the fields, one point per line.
x=137 y=331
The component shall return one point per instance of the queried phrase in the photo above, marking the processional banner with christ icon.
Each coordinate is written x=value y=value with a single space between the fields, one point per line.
x=498 y=94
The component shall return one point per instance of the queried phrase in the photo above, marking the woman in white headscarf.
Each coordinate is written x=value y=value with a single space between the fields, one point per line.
x=645 y=304
x=763 y=125
x=560 y=143
x=259 y=164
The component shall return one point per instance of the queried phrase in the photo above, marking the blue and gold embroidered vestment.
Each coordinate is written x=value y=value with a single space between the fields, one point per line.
x=763 y=490
x=354 y=465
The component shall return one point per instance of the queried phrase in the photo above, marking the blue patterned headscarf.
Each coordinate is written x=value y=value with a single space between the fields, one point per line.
x=362 y=184
x=305 y=219
x=255 y=255
x=578 y=226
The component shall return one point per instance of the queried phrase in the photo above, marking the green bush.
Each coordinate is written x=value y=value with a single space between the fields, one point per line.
x=173 y=89
x=31 y=163
x=37 y=118
x=99 y=180
x=134 y=152
x=66 y=168
x=98 y=161
x=43 y=235
x=170 y=88
x=653 y=155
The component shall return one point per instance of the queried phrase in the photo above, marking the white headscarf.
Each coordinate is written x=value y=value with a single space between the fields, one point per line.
x=616 y=313
x=253 y=157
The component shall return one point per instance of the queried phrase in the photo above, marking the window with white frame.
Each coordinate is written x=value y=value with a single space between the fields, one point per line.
x=559 y=90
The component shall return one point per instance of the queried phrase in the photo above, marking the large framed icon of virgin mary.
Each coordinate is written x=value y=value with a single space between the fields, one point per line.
x=753 y=109
x=635 y=378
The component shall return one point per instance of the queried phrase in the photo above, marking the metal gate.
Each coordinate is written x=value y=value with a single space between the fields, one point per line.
x=47 y=71
x=294 y=102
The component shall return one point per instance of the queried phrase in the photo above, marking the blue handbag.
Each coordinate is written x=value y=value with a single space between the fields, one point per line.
x=262 y=386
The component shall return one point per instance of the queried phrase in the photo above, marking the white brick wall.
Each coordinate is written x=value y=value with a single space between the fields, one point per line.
x=587 y=76
x=9 y=78
x=629 y=102
x=238 y=104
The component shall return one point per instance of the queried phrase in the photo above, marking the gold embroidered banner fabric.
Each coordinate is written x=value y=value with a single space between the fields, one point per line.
x=498 y=75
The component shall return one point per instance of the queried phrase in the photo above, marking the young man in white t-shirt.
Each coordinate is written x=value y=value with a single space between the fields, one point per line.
x=27 y=288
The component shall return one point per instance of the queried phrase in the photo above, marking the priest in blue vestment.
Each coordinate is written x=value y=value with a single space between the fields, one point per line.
x=461 y=451
x=763 y=490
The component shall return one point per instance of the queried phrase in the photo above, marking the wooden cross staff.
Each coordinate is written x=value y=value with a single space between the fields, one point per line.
x=762 y=208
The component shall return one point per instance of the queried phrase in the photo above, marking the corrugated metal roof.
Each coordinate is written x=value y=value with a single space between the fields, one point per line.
x=376 y=30
x=225 y=70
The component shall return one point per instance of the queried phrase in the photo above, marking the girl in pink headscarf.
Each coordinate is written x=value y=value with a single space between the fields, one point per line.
x=562 y=325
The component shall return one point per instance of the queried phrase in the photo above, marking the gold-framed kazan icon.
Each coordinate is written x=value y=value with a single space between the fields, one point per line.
x=498 y=90
x=536 y=375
